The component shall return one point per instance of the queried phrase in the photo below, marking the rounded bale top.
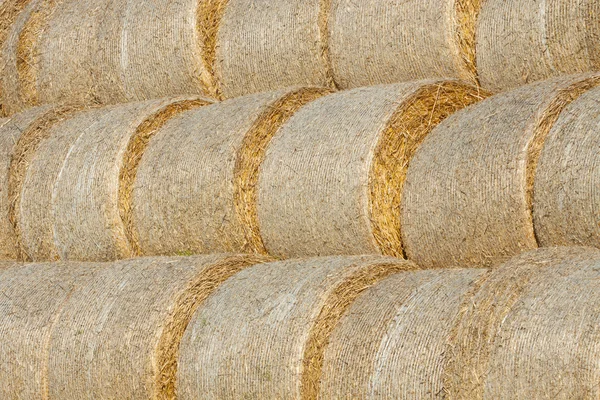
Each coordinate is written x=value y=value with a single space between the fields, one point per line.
x=262 y=334
x=332 y=178
x=469 y=189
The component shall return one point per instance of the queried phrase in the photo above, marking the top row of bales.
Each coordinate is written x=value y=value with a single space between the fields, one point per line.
x=114 y=51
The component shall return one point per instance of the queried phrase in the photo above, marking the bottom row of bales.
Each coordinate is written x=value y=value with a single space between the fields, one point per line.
x=245 y=327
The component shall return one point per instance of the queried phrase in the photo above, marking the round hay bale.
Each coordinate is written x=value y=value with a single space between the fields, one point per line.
x=119 y=336
x=521 y=41
x=525 y=330
x=331 y=182
x=153 y=66
x=196 y=183
x=262 y=334
x=565 y=206
x=10 y=133
x=92 y=194
x=33 y=296
x=373 y=42
x=469 y=189
x=268 y=45
x=17 y=54
x=390 y=343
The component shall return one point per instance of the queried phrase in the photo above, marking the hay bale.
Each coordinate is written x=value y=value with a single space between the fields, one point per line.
x=10 y=133
x=373 y=42
x=565 y=206
x=33 y=296
x=332 y=178
x=119 y=336
x=526 y=330
x=262 y=334
x=91 y=195
x=390 y=343
x=521 y=41
x=469 y=189
x=196 y=182
x=267 y=45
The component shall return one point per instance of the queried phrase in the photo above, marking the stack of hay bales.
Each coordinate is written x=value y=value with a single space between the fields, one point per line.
x=468 y=195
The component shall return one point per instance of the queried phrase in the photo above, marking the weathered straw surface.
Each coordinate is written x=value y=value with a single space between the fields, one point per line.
x=332 y=178
x=199 y=170
x=32 y=297
x=566 y=199
x=263 y=333
x=118 y=337
x=267 y=45
x=468 y=193
x=17 y=53
x=390 y=344
x=528 y=330
x=10 y=133
x=91 y=195
x=163 y=52
x=520 y=41
x=389 y=41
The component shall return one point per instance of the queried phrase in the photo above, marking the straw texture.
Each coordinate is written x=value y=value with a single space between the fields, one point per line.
x=190 y=181
x=373 y=42
x=162 y=46
x=89 y=210
x=468 y=194
x=390 y=344
x=566 y=197
x=267 y=45
x=33 y=297
x=263 y=333
x=118 y=337
x=332 y=178
x=10 y=133
x=521 y=41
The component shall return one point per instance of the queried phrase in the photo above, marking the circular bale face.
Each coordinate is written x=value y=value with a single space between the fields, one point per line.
x=195 y=187
x=263 y=332
x=262 y=46
x=331 y=182
x=374 y=42
x=521 y=41
x=566 y=198
x=119 y=335
x=469 y=190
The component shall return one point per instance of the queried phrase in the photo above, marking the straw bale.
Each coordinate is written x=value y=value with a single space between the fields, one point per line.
x=469 y=190
x=198 y=172
x=31 y=299
x=267 y=45
x=118 y=337
x=521 y=41
x=262 y=334
x=390 y=344
x=91 y=197
x=528 y=329
x=332 y=178
x=566 y=198
x=10 y=133
x=373 y=42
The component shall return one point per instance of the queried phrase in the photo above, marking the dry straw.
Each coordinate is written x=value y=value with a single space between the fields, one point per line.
x=523 y=41
x=200 y=168
x=332 y=178
x=133 y=314
x=33 y=297
x=262 y=46
x=263 y=333
x=566 y=199
x=373 y=42
x=469 y=190
x=525 y=330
